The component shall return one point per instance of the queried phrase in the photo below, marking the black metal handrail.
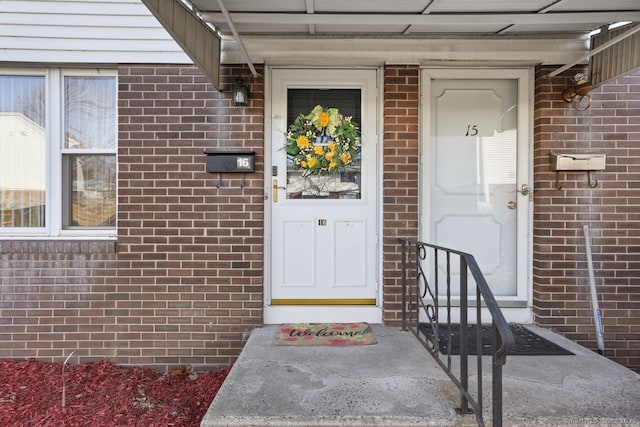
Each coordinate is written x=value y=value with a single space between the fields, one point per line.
x=421 y=293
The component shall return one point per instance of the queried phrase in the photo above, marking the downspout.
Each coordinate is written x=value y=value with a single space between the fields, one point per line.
x=232 y=26
x=594 y=293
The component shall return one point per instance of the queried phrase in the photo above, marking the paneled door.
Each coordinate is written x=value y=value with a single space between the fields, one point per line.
x=477 y=196
x=323 y=227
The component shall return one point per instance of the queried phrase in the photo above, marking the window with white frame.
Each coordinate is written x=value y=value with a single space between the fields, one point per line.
x=58 y=142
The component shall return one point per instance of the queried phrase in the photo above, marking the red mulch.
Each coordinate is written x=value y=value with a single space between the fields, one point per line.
x=103 y=394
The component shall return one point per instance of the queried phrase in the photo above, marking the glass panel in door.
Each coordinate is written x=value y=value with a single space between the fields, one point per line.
x=344 y=184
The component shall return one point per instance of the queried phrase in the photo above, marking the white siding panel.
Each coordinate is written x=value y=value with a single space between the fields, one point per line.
x=98 y=45
x=84 y=32
x=98 y=33
x=53 y=20
x=70 y=7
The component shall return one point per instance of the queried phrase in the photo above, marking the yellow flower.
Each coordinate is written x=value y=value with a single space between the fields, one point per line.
x=329 y=155
x=332 y=146
x=332 y=165
x=346 y=158
x=311 y=163
x=324 y=119
x=318 y=150
x=302 y=141
x=303 y=164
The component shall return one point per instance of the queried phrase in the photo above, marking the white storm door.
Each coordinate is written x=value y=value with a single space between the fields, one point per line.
x=476 y=161
x=323 y=228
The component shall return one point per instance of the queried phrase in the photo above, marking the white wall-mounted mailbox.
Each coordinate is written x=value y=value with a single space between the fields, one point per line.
x=577 y=162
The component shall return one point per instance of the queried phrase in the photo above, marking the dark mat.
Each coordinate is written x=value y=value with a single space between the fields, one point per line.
x=527 y=343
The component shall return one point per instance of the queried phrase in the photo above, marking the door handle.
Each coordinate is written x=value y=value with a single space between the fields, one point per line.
x=512 y=204
x=275 y=190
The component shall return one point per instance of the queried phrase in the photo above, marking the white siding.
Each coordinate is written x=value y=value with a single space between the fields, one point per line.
x=84 y=32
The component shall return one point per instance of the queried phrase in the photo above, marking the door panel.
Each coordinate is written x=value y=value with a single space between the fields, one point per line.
x=350 y=253
x=324 y=239
x=298 y=254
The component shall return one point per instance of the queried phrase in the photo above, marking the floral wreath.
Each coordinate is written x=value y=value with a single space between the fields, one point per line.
x=323 y=141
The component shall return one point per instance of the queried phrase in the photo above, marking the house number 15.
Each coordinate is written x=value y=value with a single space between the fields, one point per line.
x=472 y=130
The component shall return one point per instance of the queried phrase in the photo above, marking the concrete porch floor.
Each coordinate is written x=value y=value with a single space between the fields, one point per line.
x=396 y=382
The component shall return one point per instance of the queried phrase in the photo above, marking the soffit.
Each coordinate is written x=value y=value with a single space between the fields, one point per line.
x=415 y=18
x=427 y=32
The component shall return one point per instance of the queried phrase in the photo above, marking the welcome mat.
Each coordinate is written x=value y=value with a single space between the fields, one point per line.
x=527 y=343
x=325 y=334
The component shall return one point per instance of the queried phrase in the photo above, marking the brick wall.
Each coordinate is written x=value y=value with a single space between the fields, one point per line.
x=56 y=298
x=183 y=283
x=612 y=211
x=400 y=192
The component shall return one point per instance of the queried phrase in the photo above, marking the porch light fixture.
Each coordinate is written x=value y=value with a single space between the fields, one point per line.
x=578 y=93
x=240 y=93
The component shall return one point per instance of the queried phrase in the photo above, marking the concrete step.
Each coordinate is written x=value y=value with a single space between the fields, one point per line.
x=396 y=382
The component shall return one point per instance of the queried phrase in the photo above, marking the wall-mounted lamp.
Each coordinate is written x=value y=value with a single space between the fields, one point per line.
x=240 y=93
x=578 y=93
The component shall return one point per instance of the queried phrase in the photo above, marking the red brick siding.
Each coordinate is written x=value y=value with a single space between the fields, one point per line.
x=400 y=163
x=183 y=283
x=611 y=210
x=56 y=297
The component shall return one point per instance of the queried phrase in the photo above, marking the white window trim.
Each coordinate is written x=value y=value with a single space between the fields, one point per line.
x=54 y=134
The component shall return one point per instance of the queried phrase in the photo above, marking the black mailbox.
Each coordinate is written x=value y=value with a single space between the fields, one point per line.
x=230 y=161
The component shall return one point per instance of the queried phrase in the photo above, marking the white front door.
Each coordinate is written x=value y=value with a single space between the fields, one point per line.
x=475 y=160
x=323 y=253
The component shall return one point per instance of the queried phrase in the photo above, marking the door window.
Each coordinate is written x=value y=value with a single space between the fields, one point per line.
x=343 y=184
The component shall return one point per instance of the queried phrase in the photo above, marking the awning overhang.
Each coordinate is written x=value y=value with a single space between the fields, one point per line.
x=425 y=32
x=195 y=37
x=622 y=57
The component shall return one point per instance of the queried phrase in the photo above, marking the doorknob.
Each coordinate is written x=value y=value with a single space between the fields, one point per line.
x=512 y=204
x=525 y=190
